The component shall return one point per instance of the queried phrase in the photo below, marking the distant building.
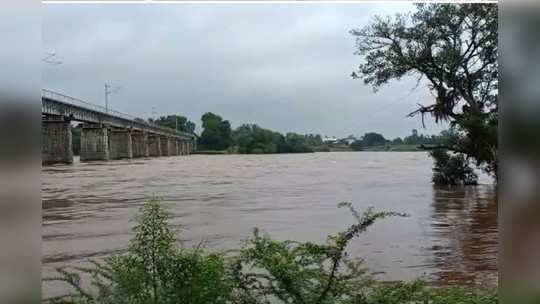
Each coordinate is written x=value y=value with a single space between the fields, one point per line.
x=330 y=140
x=349 y=139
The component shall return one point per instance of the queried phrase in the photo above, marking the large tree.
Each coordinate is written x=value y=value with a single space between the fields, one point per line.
x=452 y=46
x=216 y=134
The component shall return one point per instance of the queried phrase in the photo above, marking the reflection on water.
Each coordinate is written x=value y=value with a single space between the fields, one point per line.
x=450 y=236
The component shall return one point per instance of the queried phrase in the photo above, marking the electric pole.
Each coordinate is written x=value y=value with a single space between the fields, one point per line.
x=49 y=59
x=108 y=91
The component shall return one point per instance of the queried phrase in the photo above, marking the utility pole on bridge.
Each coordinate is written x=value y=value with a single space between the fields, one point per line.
x=108 y=91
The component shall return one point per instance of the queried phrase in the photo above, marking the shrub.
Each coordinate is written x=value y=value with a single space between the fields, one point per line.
x=452 y=169
x=155 y=270
x=269 y=271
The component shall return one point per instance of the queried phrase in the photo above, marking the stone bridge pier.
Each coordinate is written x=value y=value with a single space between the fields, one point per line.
x=154 y=145
x=165 y=146
x=94 y=143
x=56 y=146
x=189 y=147
x=183 y=148
x=139 y=143
x=174 y=146
x=120 y=144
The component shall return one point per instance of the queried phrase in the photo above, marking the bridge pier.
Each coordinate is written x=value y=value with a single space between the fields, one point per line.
x=94 y=143
x=120 y=144
x=154 y=145
x=178 y=146
x=189 y=147
x=165 y=146
x=183 y=147
x=173 y=146
x=139 y=143
x=56 y=146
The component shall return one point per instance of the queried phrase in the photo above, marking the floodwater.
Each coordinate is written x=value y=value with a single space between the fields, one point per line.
x=450 y=237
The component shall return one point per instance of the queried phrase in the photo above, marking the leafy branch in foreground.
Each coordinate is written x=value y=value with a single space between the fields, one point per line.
x=303 y=272
x=156 y=270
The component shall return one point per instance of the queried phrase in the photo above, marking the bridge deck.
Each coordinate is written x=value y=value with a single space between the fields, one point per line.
x=56 y=104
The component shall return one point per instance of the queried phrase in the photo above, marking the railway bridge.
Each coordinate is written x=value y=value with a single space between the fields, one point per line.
x=106 y=134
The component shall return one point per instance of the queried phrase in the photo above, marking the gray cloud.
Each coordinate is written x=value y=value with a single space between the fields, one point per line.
x=282 y=66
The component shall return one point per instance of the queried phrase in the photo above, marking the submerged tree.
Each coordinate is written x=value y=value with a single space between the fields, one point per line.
x=455 y=48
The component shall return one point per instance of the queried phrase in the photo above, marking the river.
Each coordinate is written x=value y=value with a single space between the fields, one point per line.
x=450 y=236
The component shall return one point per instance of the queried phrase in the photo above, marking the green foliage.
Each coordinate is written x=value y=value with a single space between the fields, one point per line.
x=418 y=292
x=252 y=139
x=176 y=122
x=373 y=139
x=397 y=141
x=270 y=271
x=155 y=270
x=216 y=134
x=452 y=169
x=357 y=145
x=455 y=48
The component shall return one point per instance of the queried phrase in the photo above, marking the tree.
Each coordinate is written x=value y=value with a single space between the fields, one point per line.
x=455 y=48
x=252 y=139
x=397 y=141
x=357 y=145
x=373 y=139
x=176 y=122
x=217 y=132
x=452 y=169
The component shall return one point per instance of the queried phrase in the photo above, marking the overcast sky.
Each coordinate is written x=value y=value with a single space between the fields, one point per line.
x=282 y=66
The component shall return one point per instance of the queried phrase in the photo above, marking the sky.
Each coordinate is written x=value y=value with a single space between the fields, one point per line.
x=285 y=67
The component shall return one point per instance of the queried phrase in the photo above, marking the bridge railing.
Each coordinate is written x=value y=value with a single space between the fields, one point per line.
x=97 y=108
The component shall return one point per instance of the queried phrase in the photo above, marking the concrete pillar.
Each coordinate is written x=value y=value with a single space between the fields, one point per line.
x=173 y=146
x=177 y=144
x=165 y=146
x=56 y=146
x=94 y=143
x=182 y=146
x=139 y=144
x=188 y=147
x=120 y=145
x=154 y=145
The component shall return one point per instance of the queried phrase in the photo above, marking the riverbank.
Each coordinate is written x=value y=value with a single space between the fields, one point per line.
x=332 y=148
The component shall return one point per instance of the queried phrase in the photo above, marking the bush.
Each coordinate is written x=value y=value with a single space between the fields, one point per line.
x=452 y=169
x=156 y=270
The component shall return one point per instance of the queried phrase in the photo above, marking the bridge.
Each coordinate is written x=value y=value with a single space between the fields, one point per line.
x=106 y=134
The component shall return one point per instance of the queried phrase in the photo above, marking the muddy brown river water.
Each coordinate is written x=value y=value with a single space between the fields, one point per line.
x=451 y=236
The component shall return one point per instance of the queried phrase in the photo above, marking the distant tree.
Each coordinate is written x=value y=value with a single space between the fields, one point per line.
x=357 y=145
x=373 y=139
x=397 y=141
x=455 y=48
x=297 y=143
x=216 y=134
x=176 y=122
x=252 y=139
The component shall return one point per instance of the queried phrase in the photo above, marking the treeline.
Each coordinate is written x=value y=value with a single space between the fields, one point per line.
x=373 y=139
x=217 y=134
